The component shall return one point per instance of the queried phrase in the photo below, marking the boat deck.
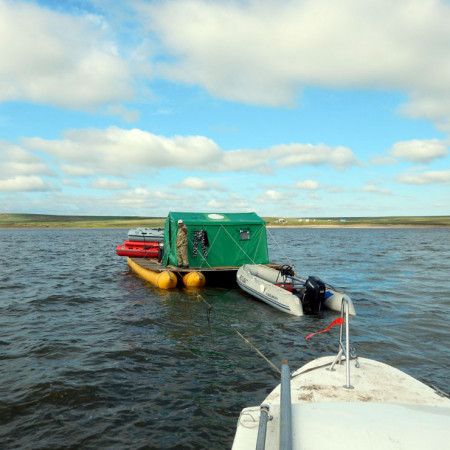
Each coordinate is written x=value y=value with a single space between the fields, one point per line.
x=384 y=409
x=155 y=266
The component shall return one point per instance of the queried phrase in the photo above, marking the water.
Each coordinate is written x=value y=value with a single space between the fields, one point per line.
x=93 y=357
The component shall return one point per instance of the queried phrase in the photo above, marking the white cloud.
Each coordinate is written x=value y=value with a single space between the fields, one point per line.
x=430 y=177
x=283 y=156
x=309 y=185
x=419 y=151
x=257 y=51
x=119 y=152
x=271 y=195
x=14 y=160
x=216 y=205
x=108 y=184
x=198 y=184
x=340 y=158
x=70 y=170
x=142 y=200
x=231 y=203
x=275 y=203
x=382 y=161
x=126 y=114
x=57 y=59
x=70 y=183
x=265 y=51
x=26 y=183
x=336 y=189
x=376 y=190
x=430 y=105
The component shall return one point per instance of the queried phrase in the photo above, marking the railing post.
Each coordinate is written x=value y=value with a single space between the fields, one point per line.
x=347 y=343
x=344 y=349
x=263 y=418
x=285 y=407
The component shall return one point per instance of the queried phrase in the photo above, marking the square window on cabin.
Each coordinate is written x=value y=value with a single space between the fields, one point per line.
x=244 y=235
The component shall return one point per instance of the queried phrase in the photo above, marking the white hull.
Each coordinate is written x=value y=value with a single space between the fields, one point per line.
x=385 y=409
x=146 y=234
x=261 y=282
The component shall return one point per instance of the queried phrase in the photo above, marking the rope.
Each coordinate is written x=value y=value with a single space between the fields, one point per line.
x=243 y=251
x=241 y=336
x=236 y=242
x=212 y=245
x=209 y=324
x=278 y=245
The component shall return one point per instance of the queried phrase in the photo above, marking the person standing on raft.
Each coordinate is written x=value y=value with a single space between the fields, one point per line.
x=182 y=245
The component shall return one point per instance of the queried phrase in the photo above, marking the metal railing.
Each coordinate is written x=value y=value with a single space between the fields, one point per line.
x=263 y=418
x=285 y=407
x=285 y=413
x=285 y=394
x=344 y=349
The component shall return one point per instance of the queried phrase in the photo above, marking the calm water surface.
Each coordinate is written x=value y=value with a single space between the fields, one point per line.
x=93 y=357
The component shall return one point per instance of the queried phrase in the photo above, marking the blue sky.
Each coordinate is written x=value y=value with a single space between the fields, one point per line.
x=289 y=108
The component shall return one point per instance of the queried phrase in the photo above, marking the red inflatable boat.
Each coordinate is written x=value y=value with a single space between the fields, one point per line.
x=138 y=249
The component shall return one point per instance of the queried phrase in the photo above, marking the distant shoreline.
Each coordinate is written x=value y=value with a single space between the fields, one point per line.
x=358 y=226
x=28 y=221
x=298 y=227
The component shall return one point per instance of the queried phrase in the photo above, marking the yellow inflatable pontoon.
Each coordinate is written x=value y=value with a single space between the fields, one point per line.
x=194 y=279
x=162 y=280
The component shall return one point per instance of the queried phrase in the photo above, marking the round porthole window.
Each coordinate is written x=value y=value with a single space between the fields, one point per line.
x=216 y=216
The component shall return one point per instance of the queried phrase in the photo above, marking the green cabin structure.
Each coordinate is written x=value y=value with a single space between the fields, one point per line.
x=217 y=239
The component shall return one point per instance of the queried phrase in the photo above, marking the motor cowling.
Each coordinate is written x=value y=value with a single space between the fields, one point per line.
x=314 y=295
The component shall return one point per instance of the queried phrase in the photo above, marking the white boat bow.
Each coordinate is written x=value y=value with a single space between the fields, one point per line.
x=378 y=407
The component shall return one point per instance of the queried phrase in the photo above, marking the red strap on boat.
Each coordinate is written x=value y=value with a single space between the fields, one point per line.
x=339 y=321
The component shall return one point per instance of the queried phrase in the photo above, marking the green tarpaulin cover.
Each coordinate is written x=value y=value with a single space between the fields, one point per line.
x=218 y=239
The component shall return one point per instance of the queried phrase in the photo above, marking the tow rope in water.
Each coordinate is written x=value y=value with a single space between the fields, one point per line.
x=240 y=335
x=279 y=247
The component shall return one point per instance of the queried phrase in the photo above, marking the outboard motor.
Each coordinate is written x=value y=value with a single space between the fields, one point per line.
x=314 y=295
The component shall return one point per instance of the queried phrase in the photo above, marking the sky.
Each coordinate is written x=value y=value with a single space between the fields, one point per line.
x=288 y=108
